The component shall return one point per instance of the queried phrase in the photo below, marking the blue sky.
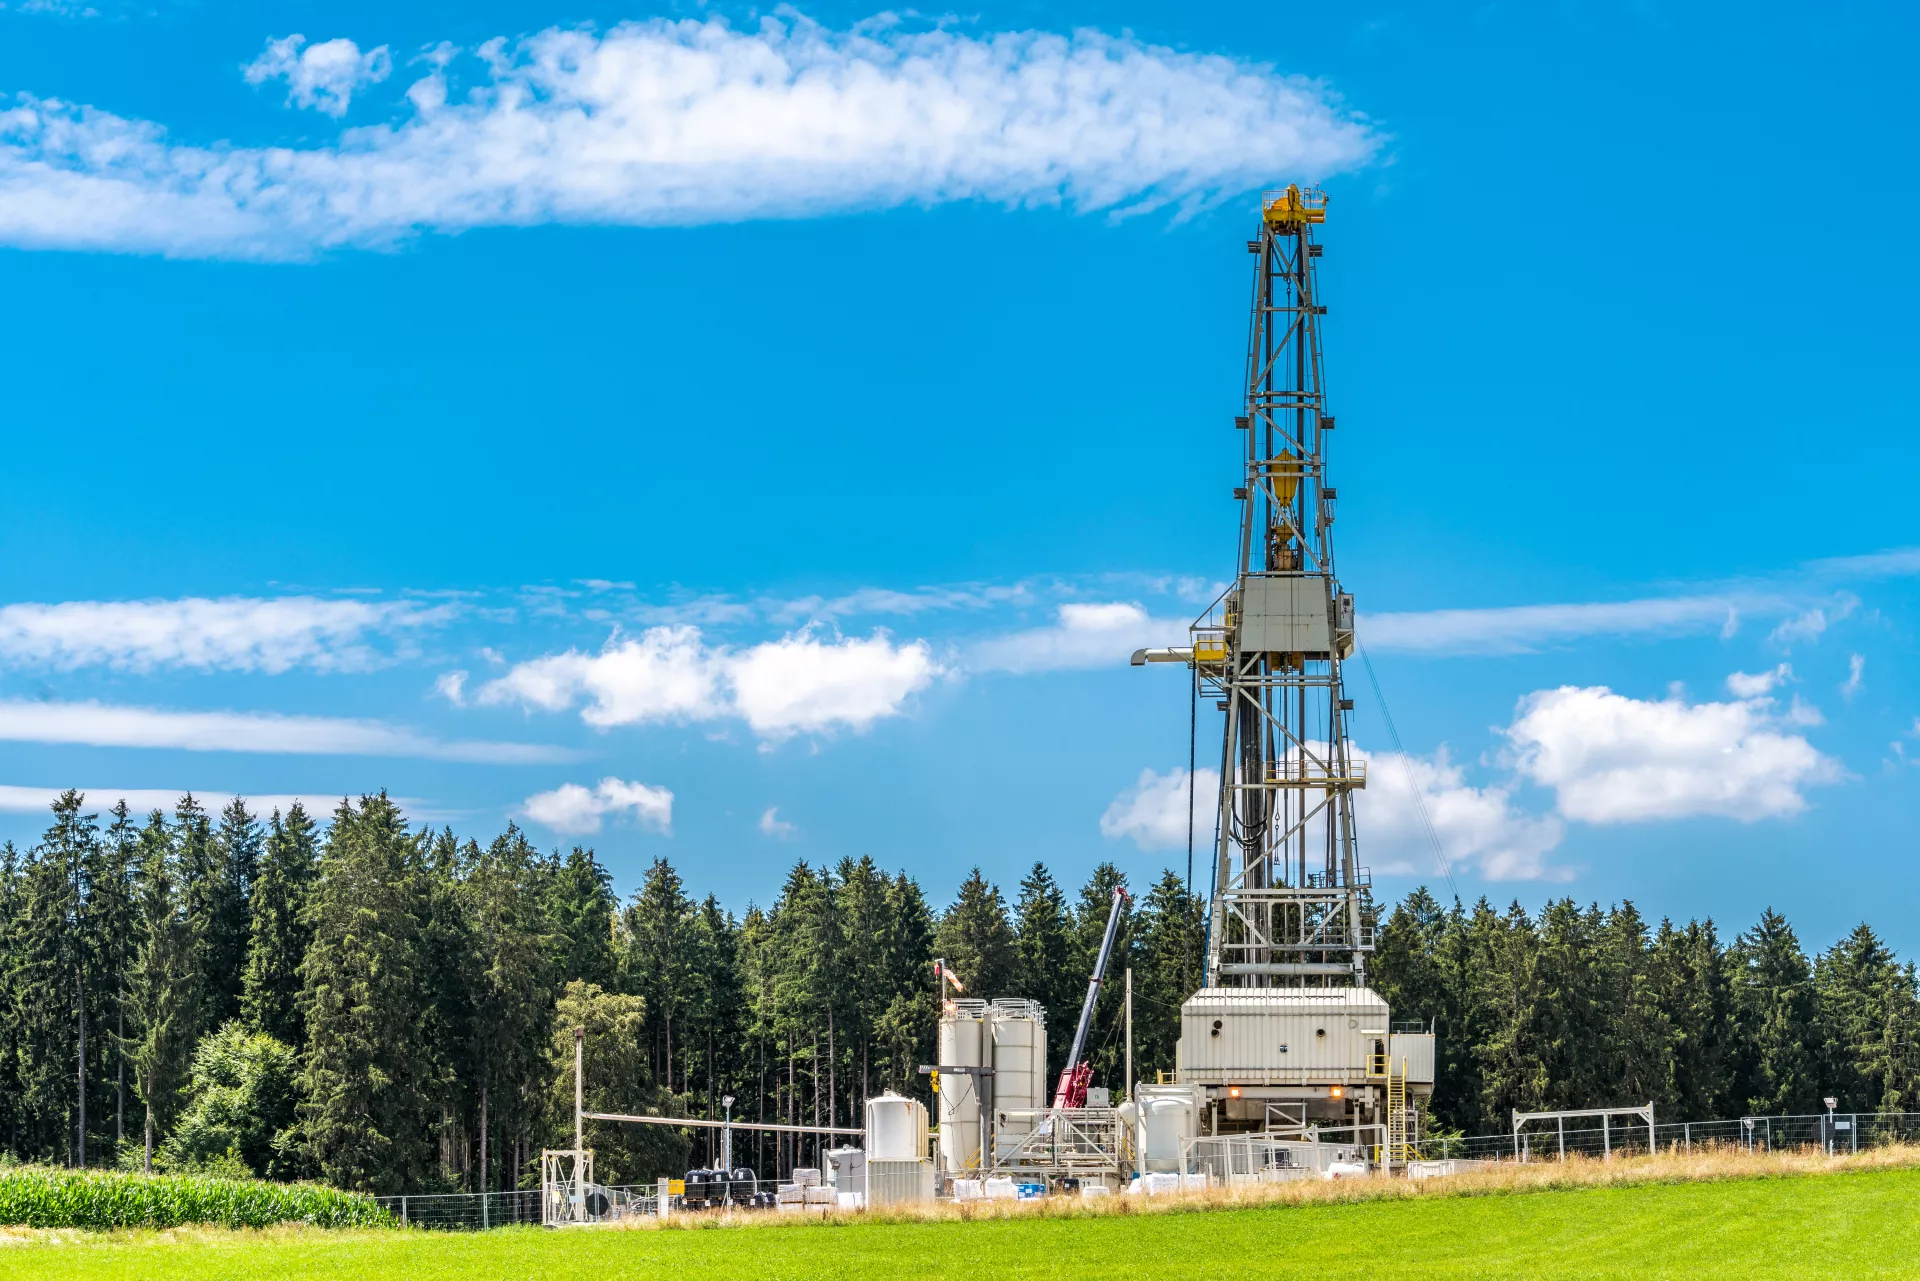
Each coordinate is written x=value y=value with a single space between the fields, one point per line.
x=748 y=439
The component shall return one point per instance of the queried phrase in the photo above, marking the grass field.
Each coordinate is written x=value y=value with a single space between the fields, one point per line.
x=1863 y=1220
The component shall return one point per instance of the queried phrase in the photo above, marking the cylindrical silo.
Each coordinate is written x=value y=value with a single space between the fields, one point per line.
x=1018 y=1032
x=896 y=1128
x=962 y=1044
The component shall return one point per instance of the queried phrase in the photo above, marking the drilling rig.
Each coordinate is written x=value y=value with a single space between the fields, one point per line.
x=1285 y=1035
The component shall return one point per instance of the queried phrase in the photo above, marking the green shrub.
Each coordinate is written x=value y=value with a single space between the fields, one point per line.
x=43 y=1198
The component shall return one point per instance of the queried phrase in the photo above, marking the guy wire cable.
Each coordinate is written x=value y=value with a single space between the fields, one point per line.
x=1413 y=784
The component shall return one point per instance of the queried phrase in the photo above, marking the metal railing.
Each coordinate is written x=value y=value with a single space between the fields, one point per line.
x=1842 y=1132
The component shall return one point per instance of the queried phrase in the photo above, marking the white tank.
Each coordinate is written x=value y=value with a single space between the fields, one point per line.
x=962 y=1044
x=896 y=1129
x=1169 y=1115
x=1018 y=1029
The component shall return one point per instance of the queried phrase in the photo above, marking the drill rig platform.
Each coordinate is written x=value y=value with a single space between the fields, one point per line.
x=1285 y=1037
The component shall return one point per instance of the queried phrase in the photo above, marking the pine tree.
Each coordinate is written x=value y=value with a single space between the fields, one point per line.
x=904 y=1035
x=1696 y=995
x=1864 y=1011
x=1638 y=1050
x=366 y=1083
x=580 y=909
x=976 y=940
x=233 y=854
x=658 y=961
x=1163 y=965
x=1043 y=954
x=1773 y=999
x=270 y=992
x=162 y=1010
x=12 y=927
x=114 y=919
x=513 y=989
x=202 y=881
x=1509 y=1046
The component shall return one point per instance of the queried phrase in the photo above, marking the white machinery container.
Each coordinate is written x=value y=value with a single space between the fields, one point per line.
x=963 y=1043
x=1018 y=1032
x=899 y=1182
x=896 y=1128
x=847 y=1170
x=1169 y=1116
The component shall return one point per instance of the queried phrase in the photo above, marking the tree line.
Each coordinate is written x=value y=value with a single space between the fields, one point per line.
x=391 y=1008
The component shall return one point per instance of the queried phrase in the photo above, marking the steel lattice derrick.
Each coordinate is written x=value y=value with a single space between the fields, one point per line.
x=1290 y=904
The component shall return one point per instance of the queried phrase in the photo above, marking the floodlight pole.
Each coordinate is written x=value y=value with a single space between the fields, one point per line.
x=579 y=1090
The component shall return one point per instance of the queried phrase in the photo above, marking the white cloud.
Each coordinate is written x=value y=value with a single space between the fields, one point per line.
x=1153 y=812
x=15 y=799
x=771 y=824
x=322 y=76
x=666 y=674
x=452 y=686
x=1856 y=676
x=1085 y=635
x=686 y=122
x=799 y=683
x=1743 y=685
x=1521 y=628
x=1477 y=827
x=232 y=633
x=1813 y=623
x=574 y=810
x=106 y=725
x=1614 y=759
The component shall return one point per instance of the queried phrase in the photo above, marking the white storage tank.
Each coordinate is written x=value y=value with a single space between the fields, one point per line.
x=896 y=1128
x=963 y=1043
x=1169 y=1116
x=1018 y=1031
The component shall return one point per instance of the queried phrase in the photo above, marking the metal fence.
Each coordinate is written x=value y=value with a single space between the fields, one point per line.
x=480 y=1211
x=1843 y=1132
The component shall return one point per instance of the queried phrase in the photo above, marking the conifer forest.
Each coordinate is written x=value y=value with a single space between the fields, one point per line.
x=390 y=1008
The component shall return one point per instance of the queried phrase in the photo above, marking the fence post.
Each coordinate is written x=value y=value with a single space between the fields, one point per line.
x=663 y=1200
x=1606 y=1138
x=1853 y=1131
x=1688 y=1128
x=484 y=1222
x=403 y=1212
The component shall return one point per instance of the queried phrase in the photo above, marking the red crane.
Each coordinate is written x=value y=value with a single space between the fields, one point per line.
x=1072 y=1090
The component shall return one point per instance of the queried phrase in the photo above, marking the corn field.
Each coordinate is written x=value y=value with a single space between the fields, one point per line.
x=47 y=1198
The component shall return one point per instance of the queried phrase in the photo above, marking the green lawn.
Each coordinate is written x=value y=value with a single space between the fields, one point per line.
x=1852 y=1225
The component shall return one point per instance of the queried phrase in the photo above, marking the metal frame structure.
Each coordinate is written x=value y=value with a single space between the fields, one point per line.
x=1290 y=904
x=1606 y=1115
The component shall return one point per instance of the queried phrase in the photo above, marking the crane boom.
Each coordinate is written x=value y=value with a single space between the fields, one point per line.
x=1072 y=1089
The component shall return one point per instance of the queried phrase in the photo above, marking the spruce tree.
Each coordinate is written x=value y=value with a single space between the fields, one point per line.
x=1864 y=1011
x=162 y=1010
x=1696 y=995
x=234 y=864
x=12 y=925
x=279 y=934
x=1773 y=999
x=976 y=940
x=581 y=906
x=1043 y=955
x=513 y=990
x=1163 y=965
x=659 y=961
x=202 y=880
x=366 y=1082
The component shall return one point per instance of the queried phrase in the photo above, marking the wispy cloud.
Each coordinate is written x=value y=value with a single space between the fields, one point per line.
x=15 y=799
x=1520 y=628
x=1082 y=635
x=232 y=633
x=686 y=122
x=107 y=725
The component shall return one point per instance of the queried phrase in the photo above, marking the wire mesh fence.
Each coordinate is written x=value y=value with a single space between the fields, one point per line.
x=1840 y=1132
x=480 y=1211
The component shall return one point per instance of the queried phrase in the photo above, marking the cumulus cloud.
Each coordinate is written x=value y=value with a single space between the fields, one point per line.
x=1614 y=759
x=797 y=684
x=771 y=824
x=683 y=122
x=1477 y=827
x=1745 y=685
x=97 y=724
x=322 y=76
x=1153 y=812
x=573 y=810
x=665 y=674
x=1083 y=635
x=232 y=633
